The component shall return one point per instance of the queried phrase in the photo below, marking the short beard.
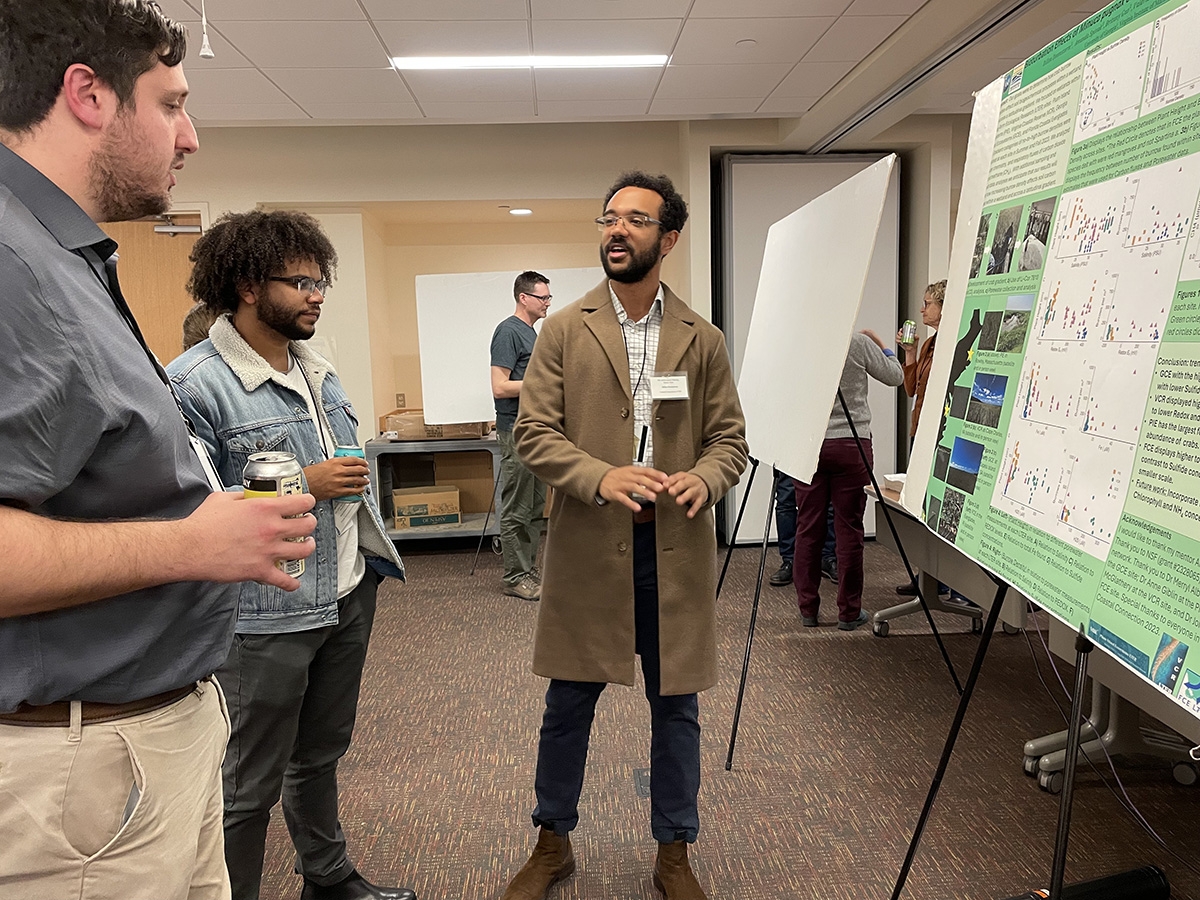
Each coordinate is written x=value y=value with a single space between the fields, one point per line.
x=119 y=191
x=640 y=265
x=282 y=320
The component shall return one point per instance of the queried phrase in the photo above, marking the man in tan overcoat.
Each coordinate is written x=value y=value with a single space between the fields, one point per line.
x=630 y=412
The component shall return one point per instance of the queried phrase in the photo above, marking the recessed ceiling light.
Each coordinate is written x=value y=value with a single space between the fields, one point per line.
x=747 y=42
x=504 y=206
x=520 y=211
x=528 y=62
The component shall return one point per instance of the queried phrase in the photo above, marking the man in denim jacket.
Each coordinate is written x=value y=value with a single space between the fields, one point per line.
x=292 y=677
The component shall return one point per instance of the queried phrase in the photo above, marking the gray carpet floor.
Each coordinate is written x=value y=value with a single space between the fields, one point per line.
x=839 y=738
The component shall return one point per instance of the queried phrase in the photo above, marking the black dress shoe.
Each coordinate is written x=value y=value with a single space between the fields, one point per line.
x=782 y=575
x=354 y=888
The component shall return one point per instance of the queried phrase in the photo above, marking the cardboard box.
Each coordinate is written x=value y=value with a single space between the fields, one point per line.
x=409 y=425
x=427 y=500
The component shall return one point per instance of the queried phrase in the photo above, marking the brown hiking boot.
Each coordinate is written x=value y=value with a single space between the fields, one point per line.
x=673 y=876
x=552 y=860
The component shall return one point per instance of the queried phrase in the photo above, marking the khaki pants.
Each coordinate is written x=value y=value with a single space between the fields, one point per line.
x=122 y=810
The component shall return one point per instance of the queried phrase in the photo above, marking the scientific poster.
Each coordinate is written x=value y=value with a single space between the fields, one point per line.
x=1068 y=452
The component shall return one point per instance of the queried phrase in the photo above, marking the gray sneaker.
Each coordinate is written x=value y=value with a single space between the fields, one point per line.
x=527 y=589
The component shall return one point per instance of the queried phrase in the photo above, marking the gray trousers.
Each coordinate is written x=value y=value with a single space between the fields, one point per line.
x=522 y=502
x=292 y=699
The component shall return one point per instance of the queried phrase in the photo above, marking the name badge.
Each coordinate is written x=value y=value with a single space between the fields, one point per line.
x=210 y=471
x=669 y=386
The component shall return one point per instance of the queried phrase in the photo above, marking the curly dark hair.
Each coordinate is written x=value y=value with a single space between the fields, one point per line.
x=243 y=250
x=120 y=40
x=674 y=210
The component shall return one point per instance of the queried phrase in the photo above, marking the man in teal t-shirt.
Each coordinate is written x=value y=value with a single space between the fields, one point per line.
x=522 y=497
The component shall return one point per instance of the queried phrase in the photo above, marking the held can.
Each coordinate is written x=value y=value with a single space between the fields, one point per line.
x=350 y=450
x=908 y=332
x=275 y=475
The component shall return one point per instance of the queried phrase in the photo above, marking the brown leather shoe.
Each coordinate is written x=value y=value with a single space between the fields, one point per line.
x=673 y=876
x=552 y=860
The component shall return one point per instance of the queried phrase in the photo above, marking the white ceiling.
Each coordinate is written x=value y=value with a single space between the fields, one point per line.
x=326 y=62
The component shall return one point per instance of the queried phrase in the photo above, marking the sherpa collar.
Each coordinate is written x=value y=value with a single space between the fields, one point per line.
x=251 y=368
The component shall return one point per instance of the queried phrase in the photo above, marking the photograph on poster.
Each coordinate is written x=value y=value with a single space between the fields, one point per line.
x=985 y=224
x=1004 y=241
x=950 y=514
x=987 y=399
x=1037 y=235
x=1015 y=324
x=991 y=329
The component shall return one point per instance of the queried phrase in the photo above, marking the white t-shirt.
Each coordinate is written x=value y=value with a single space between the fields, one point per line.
x=351 y=564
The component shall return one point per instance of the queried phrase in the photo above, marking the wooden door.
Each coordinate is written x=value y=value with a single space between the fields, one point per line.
x=154 y=269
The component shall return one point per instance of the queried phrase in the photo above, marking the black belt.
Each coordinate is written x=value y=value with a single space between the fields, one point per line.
x=59 y=714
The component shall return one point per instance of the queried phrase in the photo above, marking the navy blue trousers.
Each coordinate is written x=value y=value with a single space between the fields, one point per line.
x=674 y=728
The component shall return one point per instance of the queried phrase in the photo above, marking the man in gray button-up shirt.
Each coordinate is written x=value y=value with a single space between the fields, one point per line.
x=111 y=620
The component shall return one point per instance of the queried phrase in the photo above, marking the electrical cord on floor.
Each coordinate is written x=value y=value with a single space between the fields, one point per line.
x=1123 y=799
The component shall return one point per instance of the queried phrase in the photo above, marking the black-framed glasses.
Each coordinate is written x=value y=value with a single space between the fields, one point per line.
x=545 y=299
x=635 y=221
x=305 y=285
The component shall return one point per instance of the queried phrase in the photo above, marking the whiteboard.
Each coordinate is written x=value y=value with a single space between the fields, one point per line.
x=757 y=191
x=809 y=291
x=456 y=316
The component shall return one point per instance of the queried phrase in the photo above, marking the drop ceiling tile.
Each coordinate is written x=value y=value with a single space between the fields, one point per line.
x=721 y=9
x=809 y=79
x=853 y=37
x=716 y=41
x=226 y=56
x=700 y=109
x=308 y=86
x=712 y=82
x=596 y=84
x=884 y=7
x=462 y=10
x=281 y=45
x=610 y=9
x=273 y=10
x=786 y=106
x=480 y=85
x=1035 y=42
x=180 y=11
x=231 y=86
x=603 y=36
x=574 y=110
x=359 y=110
x=482 y=38
x=248 y=112
x=480 y=111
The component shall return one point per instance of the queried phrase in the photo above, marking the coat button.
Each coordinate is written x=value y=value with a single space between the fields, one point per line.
x=624 y=413
x=622 y=546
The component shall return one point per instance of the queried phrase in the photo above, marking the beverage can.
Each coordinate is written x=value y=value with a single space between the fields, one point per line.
x=908 y=332
x=275 y=474
x=350 y=450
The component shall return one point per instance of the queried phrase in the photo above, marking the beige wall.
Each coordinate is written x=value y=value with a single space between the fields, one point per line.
x=375 y=325
x=462 y=249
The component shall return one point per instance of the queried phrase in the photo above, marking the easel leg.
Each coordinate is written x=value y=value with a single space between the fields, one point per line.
x=737 y=525
x=762 y=566
x=959 y=715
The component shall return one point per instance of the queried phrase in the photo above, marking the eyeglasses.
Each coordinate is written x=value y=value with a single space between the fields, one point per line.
x=544 y=298
x=635 y=222
x=305 y=285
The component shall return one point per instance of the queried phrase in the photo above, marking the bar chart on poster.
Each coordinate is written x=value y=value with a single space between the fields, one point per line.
x=1067 y=456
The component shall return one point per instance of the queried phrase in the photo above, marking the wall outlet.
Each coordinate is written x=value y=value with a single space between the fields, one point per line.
x=400 y=404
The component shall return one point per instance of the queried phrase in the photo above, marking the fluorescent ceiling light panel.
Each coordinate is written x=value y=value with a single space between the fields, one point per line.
x=528 y=62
